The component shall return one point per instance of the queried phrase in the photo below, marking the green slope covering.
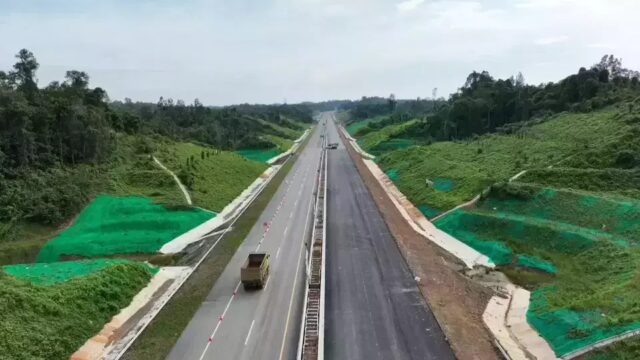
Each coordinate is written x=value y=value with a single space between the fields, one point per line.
x=628 y=349
x=284 y=131
x=259 y=155
x=391 y=145
x=353 y=127
x=602 y=181
x=52 y=322
x=214 y=177
x=133 y=171
x=57 y=272
x=129 y=225
x=282 y=143
x=578 y=252
x=599 y=139
x=381 y=137
x=20 y=242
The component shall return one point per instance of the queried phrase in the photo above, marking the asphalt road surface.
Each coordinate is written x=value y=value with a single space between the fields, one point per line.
x=374 y=309
x=262 y=324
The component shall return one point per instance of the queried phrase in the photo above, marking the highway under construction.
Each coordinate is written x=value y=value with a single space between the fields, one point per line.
x=338 y=286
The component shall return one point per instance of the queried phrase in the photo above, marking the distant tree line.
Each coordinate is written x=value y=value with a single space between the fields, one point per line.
x=484 y=104
x=228 y=128
x=369 y=107
x=57 y=141
x=70 y=123
x=64 y=122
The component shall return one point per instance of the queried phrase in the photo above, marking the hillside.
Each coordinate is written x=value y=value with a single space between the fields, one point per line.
x=48 y=313
x=602 y=139
x=51 y=169
x=557 y=178
x=213 y=177
x=78 y=180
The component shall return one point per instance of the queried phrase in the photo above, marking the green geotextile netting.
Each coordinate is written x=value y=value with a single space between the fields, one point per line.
x=393 y=174
x=594 y=214
x=57 y=272
x=442 y=184
x=261 y=155
x=121 y=225
x=568 y=330
x=590 y=246
x=528 y=231
x=428 y=211
x=532 y=262
x=391 y=145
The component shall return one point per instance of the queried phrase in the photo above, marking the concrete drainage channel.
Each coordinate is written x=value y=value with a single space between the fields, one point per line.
x=311 y=342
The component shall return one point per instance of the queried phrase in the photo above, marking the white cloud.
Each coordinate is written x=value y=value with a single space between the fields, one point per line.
x=408 y=5
x=552 y=40
x=264 y=51
x=599 y=46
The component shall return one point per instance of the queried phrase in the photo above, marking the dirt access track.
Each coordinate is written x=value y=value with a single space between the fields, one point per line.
x=457 y=302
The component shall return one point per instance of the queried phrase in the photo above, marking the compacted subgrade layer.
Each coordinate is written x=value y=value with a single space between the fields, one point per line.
x=457 y=302
x=374 y=309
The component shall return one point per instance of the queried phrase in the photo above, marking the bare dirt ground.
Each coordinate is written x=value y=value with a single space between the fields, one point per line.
x=456 y=301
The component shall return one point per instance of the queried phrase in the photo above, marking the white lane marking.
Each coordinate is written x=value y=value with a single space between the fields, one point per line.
x=213 y=334
x=284 y=233
x=278 y=253
x=266 y=285
x=235 y=291
x=293 y=290
x=246 y=341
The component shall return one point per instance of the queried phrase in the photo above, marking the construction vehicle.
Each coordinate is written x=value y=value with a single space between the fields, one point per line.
x=255 y=271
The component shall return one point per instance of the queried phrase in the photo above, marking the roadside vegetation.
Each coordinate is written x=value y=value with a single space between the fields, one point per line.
x=78 y=180
x=577 y=251
x=165 y=329
x=567 y=227
x=385 y=139
x=121 y=225
x=63 y=144
x=472 y=165
x=44 y=319
x=213 y=177
x=355 y=126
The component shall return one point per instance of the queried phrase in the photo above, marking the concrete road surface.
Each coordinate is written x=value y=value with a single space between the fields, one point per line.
x=374 y=309
x=261 y=324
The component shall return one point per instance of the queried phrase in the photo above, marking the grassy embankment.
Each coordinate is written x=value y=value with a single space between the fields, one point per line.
x=281 y=137
x=49 y=311
x=353 y=127
x=158 y=339
x=442 y=175
x=579 y=252
x=385 y=139
x=121 y=225
x=214 y=178
x=113 y=226
x=130 y=225
x=568 y=233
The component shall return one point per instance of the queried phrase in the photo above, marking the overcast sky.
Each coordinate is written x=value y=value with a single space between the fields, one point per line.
x=266 y=51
